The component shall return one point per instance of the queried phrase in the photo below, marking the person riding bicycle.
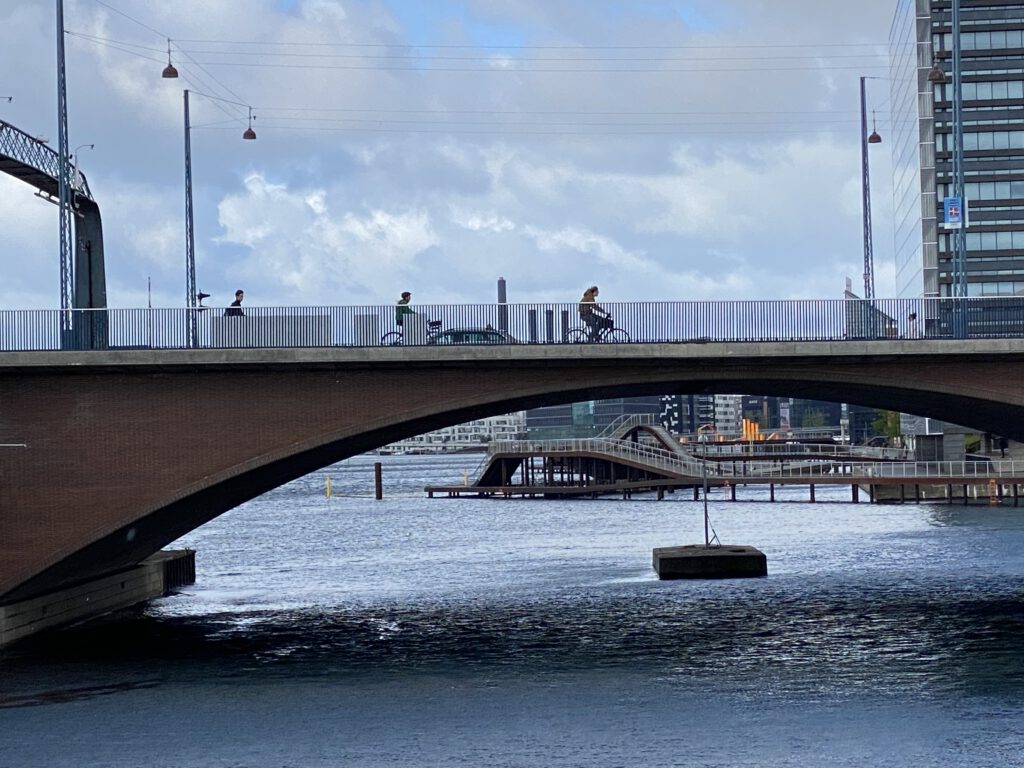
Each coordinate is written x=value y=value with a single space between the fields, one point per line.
x=593 y=315
x=402 y=308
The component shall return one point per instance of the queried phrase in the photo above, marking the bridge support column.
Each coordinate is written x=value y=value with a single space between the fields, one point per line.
x=855 y=492
x=771 y=491
x=812 y=492
x=156 y=576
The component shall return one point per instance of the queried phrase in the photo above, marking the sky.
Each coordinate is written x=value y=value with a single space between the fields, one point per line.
x=661 y=149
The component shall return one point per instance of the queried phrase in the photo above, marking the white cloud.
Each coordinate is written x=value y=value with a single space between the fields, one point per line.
x=372 y=173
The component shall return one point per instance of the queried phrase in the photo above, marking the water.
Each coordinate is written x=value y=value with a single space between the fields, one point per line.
x=463 y=632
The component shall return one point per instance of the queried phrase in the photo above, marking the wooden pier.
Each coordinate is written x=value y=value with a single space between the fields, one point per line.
x=623 y=465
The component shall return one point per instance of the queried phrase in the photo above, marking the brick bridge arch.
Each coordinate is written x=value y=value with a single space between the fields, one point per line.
x=127 y=451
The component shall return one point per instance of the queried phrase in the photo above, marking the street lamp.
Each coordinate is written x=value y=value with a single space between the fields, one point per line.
x=960 y=235
x=958 y=289
x=169 y=70
x=191 y=295
x=874 y=138
x=76 y=183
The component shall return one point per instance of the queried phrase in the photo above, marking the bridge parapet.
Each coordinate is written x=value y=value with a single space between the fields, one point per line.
x=693 y=322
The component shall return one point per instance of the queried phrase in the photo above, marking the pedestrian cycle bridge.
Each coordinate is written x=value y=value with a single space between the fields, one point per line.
x=111 y=454
x=29 y=159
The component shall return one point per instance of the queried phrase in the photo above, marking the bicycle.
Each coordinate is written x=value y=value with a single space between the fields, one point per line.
x=607 y=334
x=394 y=338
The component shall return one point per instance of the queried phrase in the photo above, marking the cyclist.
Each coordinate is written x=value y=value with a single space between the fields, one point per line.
x=593 y=315
x=402 y=308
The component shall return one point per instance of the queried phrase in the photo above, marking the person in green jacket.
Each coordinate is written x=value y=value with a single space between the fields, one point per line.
x=402 y=308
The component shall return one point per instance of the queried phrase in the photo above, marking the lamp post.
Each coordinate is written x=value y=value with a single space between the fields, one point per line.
x=63 y=186
x=74 y=164
x=191 y=294
x=865 y=139
x=960 y=234
x=958 y=288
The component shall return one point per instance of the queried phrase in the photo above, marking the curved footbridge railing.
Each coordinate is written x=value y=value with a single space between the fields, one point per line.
x=692 y=468
x=30 y=159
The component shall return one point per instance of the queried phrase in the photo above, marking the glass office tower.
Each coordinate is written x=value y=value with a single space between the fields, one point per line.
x=992 y=63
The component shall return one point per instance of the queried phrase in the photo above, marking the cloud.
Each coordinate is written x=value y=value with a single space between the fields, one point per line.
x=654 y=148
x=314 y=254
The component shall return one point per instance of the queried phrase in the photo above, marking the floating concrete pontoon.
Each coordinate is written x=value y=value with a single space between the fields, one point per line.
x=697 y=561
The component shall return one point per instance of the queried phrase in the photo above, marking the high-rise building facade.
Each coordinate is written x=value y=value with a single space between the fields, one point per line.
x=992 y=67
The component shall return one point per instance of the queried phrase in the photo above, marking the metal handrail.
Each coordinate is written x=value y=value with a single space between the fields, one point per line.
x=30 y=151
x=669 y=322
x=626 y=422
x=693 y=467
x=810 y=449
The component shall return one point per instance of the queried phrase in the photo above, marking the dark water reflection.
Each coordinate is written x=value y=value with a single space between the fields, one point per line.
x=347 y=631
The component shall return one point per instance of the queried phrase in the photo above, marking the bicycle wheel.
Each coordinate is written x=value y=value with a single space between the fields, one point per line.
x=392 y=339
x=616 y=336
x=576 y=336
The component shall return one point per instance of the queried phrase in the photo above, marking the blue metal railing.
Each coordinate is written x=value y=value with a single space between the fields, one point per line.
x=636 y=322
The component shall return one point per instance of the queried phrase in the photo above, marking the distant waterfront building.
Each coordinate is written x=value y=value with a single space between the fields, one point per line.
x=461 y=437
x=587 y=418
x=729 y=415
x=992 y=56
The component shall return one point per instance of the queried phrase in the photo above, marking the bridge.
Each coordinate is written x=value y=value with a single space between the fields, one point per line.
x=110 y=455
x=25 y=157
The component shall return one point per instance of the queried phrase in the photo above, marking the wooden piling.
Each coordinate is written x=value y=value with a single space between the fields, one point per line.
x=378 y=486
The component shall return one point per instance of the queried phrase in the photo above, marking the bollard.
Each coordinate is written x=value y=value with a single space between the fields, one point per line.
x=378 y=488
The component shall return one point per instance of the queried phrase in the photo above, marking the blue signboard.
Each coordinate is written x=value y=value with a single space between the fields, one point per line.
x=955 y=212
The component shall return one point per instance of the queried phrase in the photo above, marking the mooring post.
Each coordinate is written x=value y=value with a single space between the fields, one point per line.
x=378 y=487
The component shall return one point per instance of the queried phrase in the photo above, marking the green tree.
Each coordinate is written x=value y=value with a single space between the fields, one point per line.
x=812 y=418
x=887 y=423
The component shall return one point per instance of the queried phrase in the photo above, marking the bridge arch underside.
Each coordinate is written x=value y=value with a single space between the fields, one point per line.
x=120 y=461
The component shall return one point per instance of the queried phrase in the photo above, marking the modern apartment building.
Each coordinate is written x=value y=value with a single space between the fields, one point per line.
x=992 y=66
x=587 y=418
x=462 y=437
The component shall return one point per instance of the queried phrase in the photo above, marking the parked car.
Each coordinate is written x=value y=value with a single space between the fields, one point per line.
x=486 y=335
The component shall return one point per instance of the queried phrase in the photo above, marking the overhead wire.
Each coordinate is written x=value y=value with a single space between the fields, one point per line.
x=639 y=121
x=163 y=36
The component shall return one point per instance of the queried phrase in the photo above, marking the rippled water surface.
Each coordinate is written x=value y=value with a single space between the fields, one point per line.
x=347 y=631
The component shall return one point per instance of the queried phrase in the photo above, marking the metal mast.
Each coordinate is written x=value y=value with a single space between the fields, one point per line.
x=190 y=238
x=959 y=235
x=63 y=176
x=869 y=260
